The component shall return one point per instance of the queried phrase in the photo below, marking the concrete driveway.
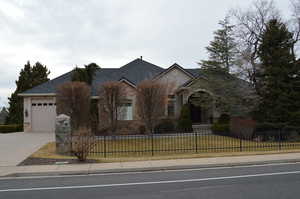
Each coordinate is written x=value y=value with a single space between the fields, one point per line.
x=15 y=147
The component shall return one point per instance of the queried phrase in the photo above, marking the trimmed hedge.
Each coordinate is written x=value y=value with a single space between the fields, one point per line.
x=11 y=128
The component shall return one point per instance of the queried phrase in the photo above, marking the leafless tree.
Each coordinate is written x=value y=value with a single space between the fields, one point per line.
x=73 y=99
x=111 y=97
x=249 y=26
x=295 y=23
x=151 y=102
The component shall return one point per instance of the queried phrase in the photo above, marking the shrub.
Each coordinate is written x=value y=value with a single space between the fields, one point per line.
x=271 y=131
x=165 y=126
x=224 y=119
x=220 y=129
x=142 y=129
x=185 y=121
x=242 y=128
x=82 y=143
x=11 y=128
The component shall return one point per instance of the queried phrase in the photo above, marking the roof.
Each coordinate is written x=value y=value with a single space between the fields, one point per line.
x=133 y=72
x=193 y=73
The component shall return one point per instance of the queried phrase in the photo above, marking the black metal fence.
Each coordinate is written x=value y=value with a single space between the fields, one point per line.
x=198 y=141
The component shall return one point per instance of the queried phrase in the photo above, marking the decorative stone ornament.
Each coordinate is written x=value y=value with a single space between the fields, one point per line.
x=63 y=134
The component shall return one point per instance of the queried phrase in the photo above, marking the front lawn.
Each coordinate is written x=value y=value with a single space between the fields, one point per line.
x=181 y=144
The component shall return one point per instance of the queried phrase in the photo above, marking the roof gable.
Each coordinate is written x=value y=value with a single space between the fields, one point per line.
x=175 y=66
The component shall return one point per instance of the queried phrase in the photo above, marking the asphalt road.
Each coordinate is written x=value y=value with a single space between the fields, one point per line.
x=268 y=181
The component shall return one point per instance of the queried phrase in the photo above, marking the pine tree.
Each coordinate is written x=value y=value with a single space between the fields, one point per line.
x=222 y=49
x=85 y=74
x=277 y=74
x=29 y=77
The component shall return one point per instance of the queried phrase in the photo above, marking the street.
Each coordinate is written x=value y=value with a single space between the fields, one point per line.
x=258 y=181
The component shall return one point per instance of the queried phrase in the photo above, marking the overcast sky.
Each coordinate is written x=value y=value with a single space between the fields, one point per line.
x=64 y=33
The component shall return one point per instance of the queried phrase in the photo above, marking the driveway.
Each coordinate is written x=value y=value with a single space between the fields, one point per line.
x=15 y=147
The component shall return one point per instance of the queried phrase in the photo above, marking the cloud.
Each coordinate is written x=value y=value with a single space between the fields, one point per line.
x=65 y=33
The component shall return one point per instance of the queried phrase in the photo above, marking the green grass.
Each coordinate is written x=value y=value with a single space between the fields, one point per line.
x=183 y=145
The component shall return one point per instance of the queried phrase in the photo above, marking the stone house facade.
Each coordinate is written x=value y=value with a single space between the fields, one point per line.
x=40 y=101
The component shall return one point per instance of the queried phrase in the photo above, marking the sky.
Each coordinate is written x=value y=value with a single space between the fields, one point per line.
x=62 y=34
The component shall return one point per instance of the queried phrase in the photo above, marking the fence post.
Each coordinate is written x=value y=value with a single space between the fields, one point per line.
x=241 y=145
x=279 y=134
x=104 y=146
x=152 y=145
x=196 y=141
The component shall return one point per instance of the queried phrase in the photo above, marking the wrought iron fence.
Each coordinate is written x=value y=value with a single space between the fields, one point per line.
x=195 y=141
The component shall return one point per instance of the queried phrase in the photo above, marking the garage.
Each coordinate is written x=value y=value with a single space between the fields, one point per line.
x=43 y=113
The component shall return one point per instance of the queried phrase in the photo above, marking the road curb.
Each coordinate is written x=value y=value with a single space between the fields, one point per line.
x=145 y=169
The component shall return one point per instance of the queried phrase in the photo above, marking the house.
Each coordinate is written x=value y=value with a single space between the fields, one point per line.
x=40 y=101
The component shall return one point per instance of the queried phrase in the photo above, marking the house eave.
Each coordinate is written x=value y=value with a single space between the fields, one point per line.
x=36 y=94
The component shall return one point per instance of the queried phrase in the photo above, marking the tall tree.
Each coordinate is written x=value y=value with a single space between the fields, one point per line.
x=85 y=74
x=29 y=77
x=250 y=23
x=277 y=74
x=222 y=50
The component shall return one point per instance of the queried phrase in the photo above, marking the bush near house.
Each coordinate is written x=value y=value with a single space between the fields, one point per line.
x=165 y=126
x=222 y=125
x=221 y=129
x=11 y=128
x=243 y=128
x=185 y=122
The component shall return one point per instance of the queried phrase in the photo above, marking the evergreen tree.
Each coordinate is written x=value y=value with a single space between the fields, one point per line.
x=85 y=74
x=278 y=74
x=222 y=49
x=29 y=77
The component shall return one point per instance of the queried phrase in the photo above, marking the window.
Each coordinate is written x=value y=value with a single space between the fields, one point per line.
x=125 y=111
x=171 y=108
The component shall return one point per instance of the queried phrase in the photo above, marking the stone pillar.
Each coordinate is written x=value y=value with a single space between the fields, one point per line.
x=63 y=134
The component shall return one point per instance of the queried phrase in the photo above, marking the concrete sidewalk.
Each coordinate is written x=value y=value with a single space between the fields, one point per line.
x=146 y=165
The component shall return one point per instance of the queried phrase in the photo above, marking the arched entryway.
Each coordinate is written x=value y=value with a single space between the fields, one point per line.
x=201 y=107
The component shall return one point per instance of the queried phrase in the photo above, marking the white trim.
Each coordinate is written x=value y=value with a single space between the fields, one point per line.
x=170 y=69
x=128 y=82
x=36 y=94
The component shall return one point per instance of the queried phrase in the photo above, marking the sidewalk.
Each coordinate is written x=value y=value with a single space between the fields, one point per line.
x=146 y=165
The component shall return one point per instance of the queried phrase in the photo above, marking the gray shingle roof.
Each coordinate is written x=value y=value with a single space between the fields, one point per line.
x=135 y=72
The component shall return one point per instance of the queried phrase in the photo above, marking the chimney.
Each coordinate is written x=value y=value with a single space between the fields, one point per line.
x=141 y=57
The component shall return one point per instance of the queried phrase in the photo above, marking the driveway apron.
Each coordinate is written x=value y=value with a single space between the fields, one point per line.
x=16 y=147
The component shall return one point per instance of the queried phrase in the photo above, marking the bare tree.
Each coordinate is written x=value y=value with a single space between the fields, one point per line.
x=151 y=102
x=73 y=99
x=111 y=97
x=249 y=26
x=295 y=23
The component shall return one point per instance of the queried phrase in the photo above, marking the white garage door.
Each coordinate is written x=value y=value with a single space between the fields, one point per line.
x=43 y=115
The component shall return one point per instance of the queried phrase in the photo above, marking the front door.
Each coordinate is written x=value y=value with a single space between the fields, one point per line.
x=196 y=114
